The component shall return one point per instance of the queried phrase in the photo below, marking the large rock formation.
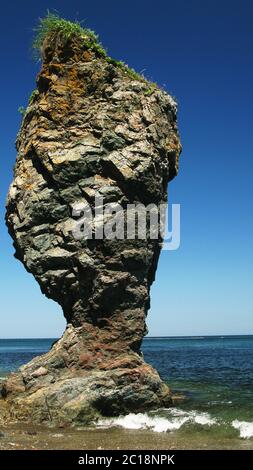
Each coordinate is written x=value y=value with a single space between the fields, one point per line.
x=92 y=127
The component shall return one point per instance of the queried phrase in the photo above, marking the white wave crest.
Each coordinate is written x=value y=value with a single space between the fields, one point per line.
x=175 y=420
x=245 y=428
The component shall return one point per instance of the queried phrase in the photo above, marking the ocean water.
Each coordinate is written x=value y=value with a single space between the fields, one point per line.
x=215 y=374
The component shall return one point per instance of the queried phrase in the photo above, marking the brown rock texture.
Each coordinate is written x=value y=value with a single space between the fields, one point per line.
x=90 y=128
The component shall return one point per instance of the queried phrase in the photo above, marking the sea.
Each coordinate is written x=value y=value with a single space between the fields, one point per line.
x=213 y=373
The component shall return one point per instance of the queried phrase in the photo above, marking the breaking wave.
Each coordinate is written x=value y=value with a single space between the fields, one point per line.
x=176 y=419
x=172 y=419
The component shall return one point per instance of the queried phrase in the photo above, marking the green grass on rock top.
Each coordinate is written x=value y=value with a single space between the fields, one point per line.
x=52 y=24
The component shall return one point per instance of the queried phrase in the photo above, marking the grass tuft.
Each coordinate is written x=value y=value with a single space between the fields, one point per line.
x=22 y=110
x=53 y=25
x=32 y=96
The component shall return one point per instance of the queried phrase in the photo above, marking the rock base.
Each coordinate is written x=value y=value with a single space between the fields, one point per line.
x=80 y=380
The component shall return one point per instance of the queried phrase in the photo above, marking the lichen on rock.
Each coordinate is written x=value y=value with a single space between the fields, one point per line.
x=90 y=128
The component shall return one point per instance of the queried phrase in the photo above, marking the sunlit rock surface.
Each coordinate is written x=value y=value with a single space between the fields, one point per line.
x=90 y=129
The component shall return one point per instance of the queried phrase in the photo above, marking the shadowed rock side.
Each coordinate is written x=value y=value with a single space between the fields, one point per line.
x=90 y=128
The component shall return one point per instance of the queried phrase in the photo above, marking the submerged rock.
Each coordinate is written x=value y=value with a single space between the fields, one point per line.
x=91 y=128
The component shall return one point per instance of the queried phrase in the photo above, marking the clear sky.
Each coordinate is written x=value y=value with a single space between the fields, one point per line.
x=201 y=52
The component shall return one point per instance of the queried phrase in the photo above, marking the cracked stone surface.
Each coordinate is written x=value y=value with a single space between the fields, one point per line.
x=89 y=129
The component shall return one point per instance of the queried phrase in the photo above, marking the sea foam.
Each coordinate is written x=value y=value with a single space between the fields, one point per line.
x=245 y=428
x=175 y=420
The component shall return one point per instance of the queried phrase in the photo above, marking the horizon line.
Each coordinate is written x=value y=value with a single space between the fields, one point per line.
x=145 y=337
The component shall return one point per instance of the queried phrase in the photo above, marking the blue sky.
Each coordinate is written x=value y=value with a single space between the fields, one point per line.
x=201 y=52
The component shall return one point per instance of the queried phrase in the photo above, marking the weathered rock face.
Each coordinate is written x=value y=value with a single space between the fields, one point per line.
x=89 y=129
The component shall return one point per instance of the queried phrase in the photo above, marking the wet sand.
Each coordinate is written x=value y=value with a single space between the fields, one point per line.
x=20 y=437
